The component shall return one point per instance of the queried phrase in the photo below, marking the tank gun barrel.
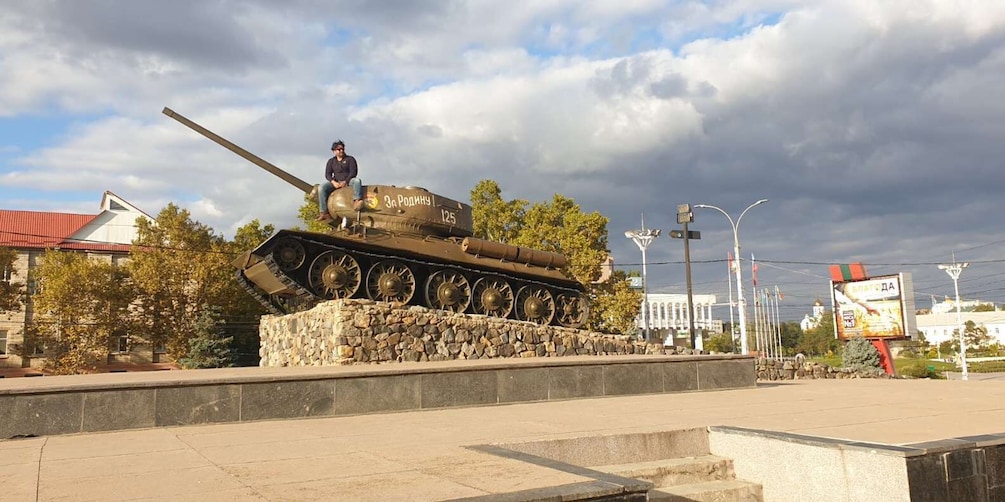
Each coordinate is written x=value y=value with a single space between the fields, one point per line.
x=250 y=157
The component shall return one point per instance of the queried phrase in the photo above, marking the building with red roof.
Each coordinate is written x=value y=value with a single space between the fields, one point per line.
x=105 y=235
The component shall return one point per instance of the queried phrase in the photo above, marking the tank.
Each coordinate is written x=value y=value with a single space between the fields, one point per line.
x=406 y=246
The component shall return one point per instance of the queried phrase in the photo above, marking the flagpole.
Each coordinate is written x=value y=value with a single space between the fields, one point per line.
x=778 y=327
x=757 y=329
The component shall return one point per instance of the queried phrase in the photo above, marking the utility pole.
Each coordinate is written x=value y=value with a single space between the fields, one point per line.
x=685 y=216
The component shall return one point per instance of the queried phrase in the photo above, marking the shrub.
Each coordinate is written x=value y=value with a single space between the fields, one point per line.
x=987 y=367
x=859 y=354
x=918 y=369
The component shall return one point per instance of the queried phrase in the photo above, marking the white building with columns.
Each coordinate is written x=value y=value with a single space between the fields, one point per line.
x=668 y=313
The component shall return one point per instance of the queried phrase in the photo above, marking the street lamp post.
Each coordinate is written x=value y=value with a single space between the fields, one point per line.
x=740 y=304
x=643 y=238
x=954 y=270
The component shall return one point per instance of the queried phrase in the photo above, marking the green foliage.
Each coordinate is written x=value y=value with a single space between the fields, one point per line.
x=719 y=343
x=208 y=348
x=917 y=368
x=820 y=339
x=308 y=213
x=494 y=218
x=860 y=354
x=83 y=304
x=178 y=265
x=12 y=292
x=986 y=367
x=560 y=226
x=791 y=332
x=977 y=336
x=985 y=307
x=614 y=305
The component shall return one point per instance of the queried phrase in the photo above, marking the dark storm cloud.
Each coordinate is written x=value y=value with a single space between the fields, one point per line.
x=205 y=34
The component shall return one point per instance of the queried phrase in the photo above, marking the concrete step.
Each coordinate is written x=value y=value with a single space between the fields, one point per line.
x=730 y=490
x=675 y=471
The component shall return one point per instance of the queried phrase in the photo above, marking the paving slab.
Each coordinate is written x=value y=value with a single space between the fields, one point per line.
x=424 y=455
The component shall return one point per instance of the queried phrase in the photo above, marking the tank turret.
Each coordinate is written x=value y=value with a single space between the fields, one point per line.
x=407 y=246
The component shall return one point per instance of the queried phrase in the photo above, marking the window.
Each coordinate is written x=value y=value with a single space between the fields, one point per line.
x=3 y=343
x=8 y=274
x=122 y=343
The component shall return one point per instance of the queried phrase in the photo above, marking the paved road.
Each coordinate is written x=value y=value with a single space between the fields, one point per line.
x=420 y=456
x=976 y=376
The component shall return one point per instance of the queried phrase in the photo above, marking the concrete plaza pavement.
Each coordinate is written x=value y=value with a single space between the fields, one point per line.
x=421 y=455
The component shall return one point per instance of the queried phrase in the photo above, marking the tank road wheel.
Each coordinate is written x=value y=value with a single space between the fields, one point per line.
x=334 y=275
x=492 y=297
x=448 y=290
x=390 y=281
x=535 y=304
x=572 y=310
x=289 y=254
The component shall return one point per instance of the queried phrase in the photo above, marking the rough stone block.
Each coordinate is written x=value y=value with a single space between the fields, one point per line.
x=118 y=409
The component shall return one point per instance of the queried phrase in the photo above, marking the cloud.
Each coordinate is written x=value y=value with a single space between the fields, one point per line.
x=874 y=128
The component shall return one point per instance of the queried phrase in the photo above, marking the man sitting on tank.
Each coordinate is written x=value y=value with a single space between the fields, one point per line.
x=340 y=172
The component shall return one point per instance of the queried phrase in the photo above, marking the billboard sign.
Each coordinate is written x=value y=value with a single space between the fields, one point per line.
x=871 y=308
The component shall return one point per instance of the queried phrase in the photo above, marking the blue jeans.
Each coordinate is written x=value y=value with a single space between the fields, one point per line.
x=326 y=189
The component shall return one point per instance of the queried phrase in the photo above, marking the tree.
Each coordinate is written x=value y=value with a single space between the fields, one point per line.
x=722 y=342
x=82 y=306
x=11 y=291
x=985 y=307
x=820 y=339
x=790 y=334
x=178 y=265
x=494 y=218
x=240 y=310
x=209 y=348
x=562 y=227
x=615 y=306
x=308 y=213
x=977 y=336
x=859 y=354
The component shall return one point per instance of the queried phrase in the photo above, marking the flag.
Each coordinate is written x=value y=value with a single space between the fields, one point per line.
x=732 y=265
x=753 y=267
x=778 y=293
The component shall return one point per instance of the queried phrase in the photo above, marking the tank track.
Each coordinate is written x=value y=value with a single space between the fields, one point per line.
x=304 y=299
x=262 y=299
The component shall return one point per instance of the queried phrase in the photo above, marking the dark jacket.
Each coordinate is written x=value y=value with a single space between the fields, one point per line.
x=344 y=170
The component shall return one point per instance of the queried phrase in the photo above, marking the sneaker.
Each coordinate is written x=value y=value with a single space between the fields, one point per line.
x=357 y=204
x=324 y=217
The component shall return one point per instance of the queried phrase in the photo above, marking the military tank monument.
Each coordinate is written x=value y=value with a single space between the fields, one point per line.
x=406 y=246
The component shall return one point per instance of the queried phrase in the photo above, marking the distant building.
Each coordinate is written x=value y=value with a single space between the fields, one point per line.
x=811 y=321
x=949 y=305
x=107 y=236
x=668 y=314
x=938 y=328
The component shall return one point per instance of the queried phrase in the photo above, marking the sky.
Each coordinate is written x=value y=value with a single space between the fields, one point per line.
x=876 y=130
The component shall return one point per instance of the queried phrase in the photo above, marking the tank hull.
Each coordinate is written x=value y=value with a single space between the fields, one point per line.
x=294 y=270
